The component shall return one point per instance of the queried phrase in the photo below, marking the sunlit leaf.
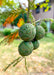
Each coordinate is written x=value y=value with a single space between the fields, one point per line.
x=20 y=22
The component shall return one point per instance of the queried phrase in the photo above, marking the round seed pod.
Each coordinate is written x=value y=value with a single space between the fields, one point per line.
x=27 y=32
x=25 y=48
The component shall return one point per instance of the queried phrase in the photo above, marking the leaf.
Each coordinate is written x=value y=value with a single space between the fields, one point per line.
x=26 y=9
x=10 y=19
x=47 y=0
x=20 y=22
x=8 y=39
x=0 y=2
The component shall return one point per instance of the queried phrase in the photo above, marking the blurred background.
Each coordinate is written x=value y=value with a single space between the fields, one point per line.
x=42 y=59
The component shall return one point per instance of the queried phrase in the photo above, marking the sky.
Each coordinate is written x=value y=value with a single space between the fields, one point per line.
x=26 y=2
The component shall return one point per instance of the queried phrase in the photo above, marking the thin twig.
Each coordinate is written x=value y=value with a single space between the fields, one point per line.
x=11 y=64
x=28 y=8
x=26 y=65
x=17 y=62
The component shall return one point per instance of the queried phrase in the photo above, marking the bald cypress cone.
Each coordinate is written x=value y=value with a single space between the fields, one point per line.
x=27 y=32
x=35 y=44
x=25 y=48
x=40 y=32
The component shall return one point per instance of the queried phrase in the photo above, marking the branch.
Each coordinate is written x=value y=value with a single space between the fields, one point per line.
x=26 y=65
x=28 y=8
x=11 y=63
x=17 y=62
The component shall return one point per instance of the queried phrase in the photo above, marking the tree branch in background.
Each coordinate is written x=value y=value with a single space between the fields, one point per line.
x=28 y=8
